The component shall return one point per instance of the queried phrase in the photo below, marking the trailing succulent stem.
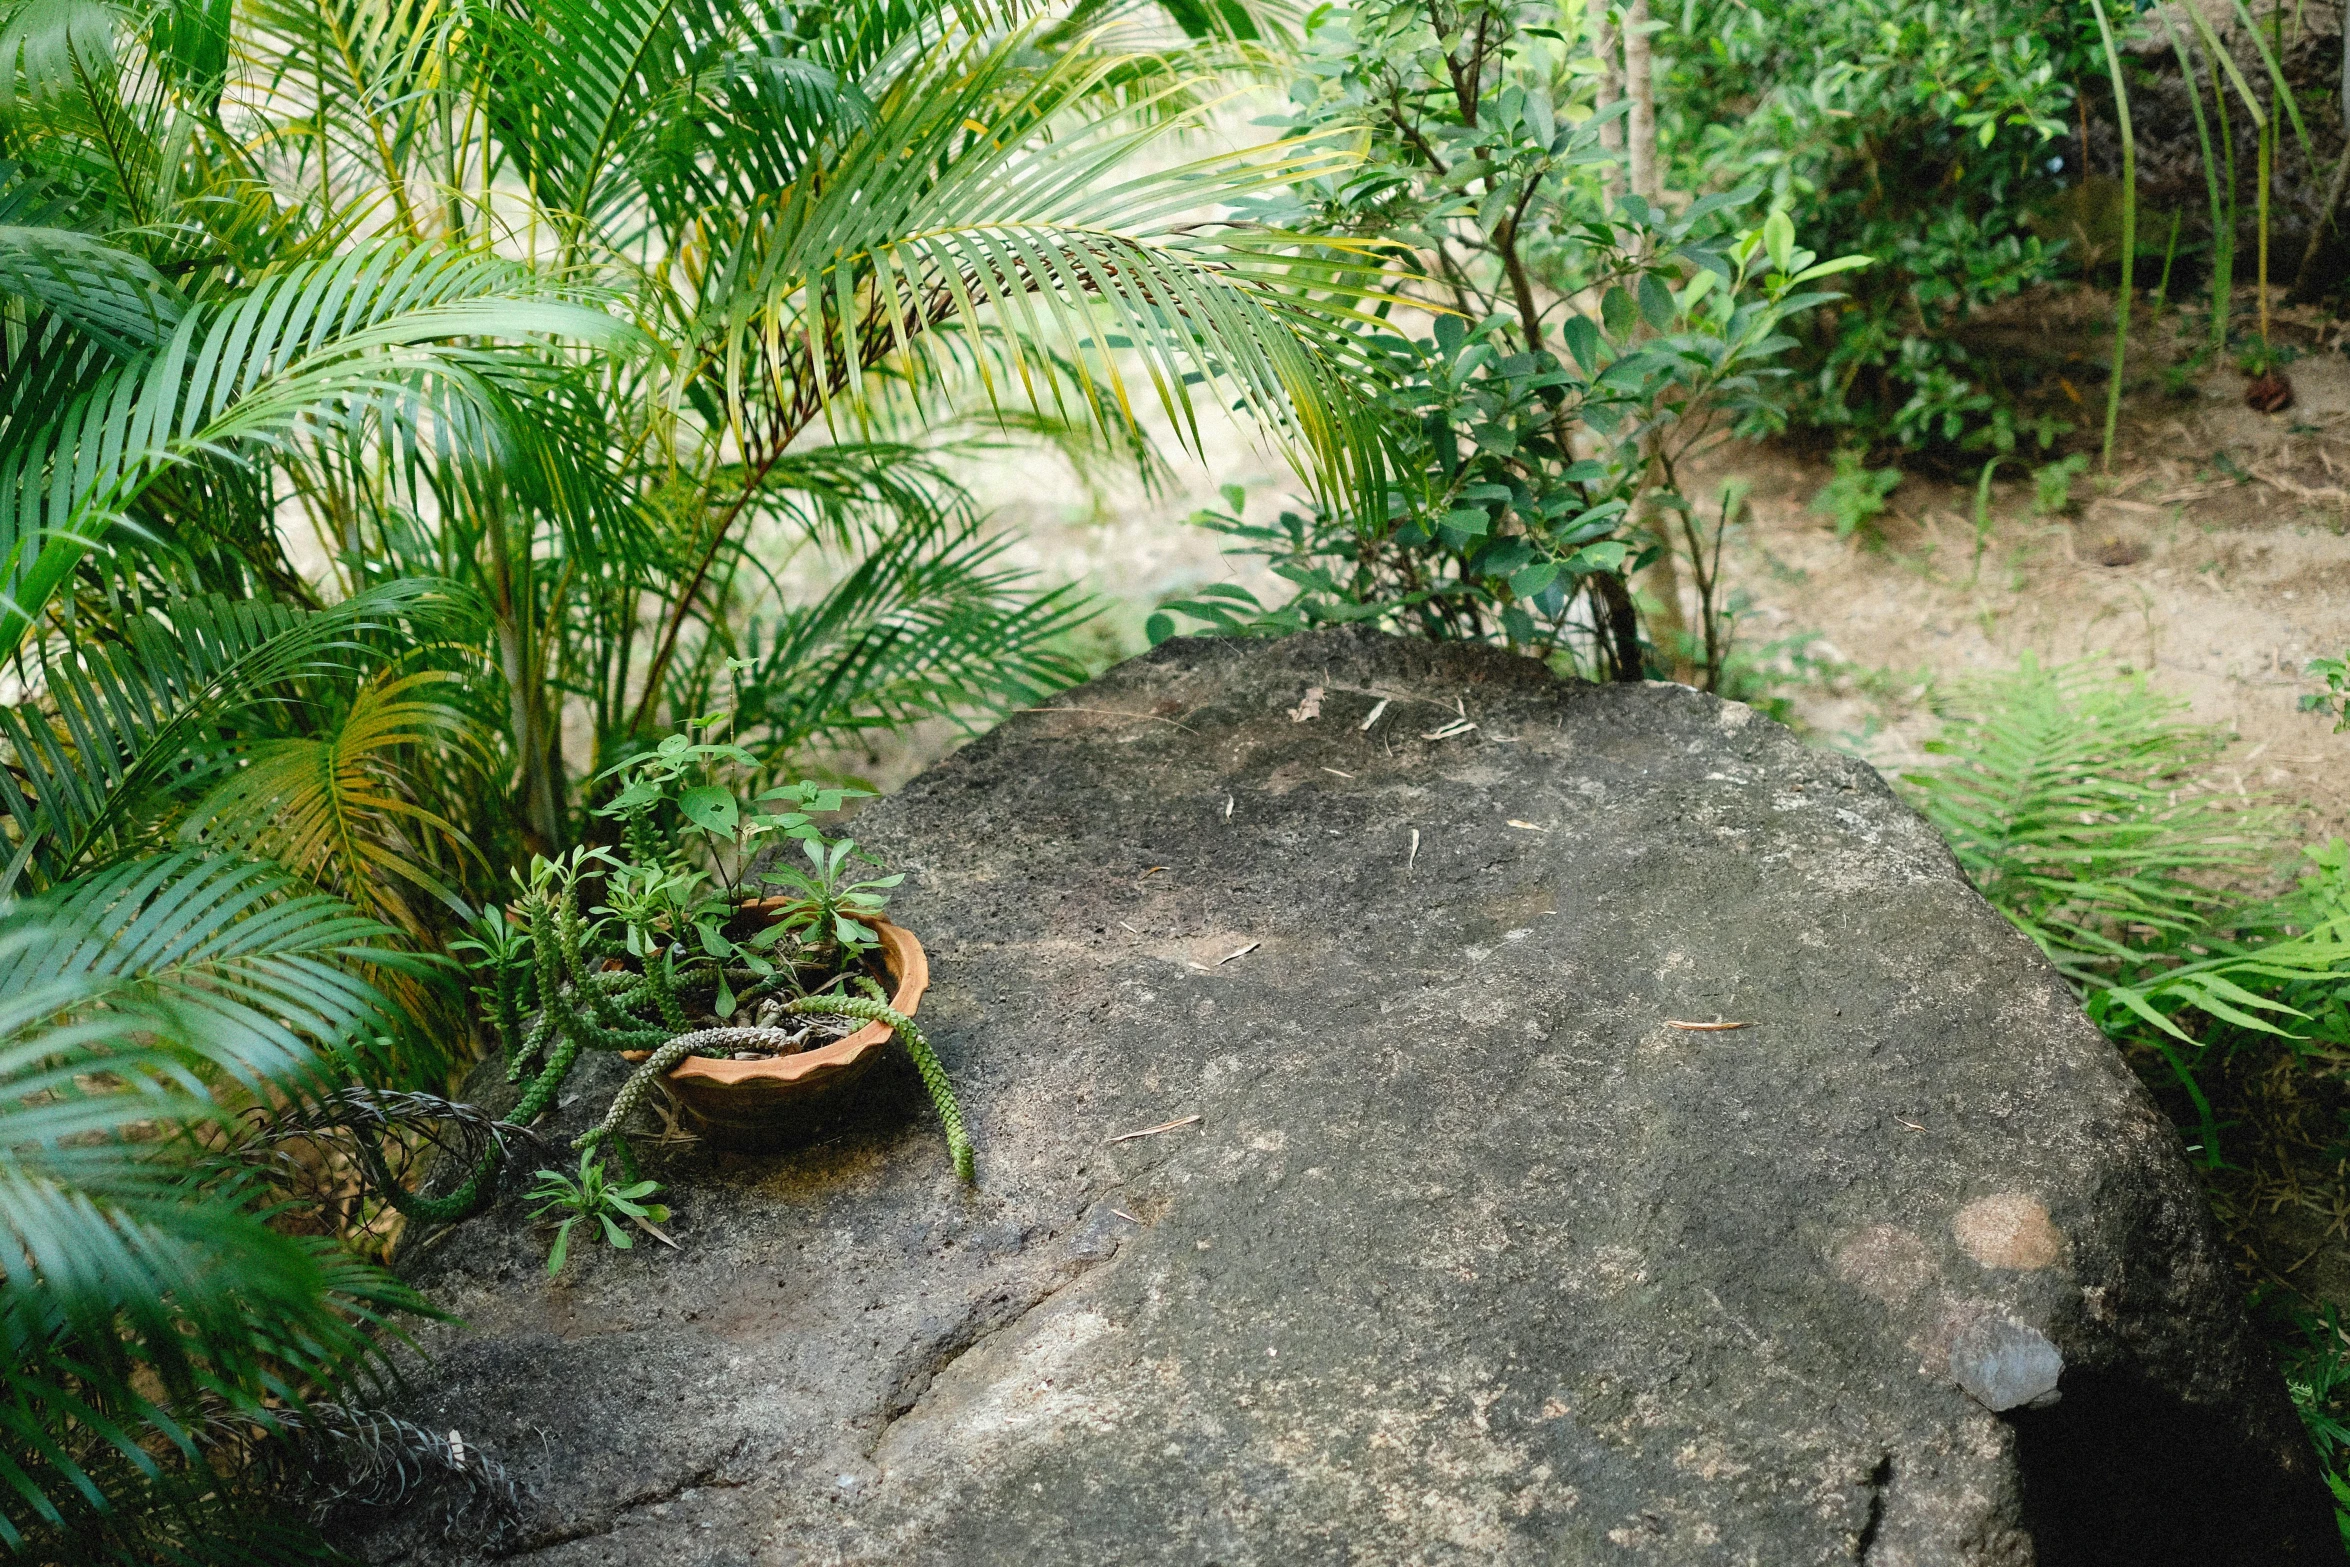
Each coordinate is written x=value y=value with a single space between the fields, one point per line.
x=554 y=990
x=725 y=1041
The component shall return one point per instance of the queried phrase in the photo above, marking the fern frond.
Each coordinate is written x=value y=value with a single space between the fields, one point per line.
x=2078 y=803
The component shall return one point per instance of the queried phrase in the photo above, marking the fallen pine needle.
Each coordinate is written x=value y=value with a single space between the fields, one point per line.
x=1123 y=924
x=1702 y=1028
x=1153 y=1131
x=1526 y=826
x=1376 y=709
x=1128 y=1217
x=1242 y=953
x=1912 y=1125
x=1335 y=770
x=1153 y=871
x=1459 y=726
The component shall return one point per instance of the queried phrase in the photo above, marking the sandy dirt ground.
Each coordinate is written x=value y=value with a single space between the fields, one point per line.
x=2214 y=559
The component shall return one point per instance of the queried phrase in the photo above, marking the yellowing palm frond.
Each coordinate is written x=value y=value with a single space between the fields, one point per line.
x=336 y=806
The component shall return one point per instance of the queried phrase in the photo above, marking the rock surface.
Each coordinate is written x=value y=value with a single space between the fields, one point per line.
x=1449 y=1247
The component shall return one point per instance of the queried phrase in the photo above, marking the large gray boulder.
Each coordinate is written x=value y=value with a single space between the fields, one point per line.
x=1453 y=1248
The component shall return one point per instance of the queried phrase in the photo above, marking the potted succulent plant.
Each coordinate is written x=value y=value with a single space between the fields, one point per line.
x=773 y=1000
x=758 y=989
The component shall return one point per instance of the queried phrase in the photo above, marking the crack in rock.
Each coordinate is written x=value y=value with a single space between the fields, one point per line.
x=1880 y=1482
x=1094 y=1243
x=702 y=1479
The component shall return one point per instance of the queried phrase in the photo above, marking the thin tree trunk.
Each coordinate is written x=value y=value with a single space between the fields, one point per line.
x=1668 y=622
x=1606 y=47
x=1618 y=625
x=1640 y=87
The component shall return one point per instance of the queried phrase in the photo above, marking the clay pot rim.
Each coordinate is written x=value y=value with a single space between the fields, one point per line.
x=906 y=961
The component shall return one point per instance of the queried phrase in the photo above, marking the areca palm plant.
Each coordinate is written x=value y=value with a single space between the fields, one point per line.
x=184 y=1019
x=156 y=1318
x=408 y=410
x=637 y=317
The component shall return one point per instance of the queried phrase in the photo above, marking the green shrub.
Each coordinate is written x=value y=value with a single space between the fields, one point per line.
x=1579 y=348
x=1930 y=137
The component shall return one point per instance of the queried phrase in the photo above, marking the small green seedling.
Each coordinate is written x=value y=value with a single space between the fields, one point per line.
x=833 y=909
x=593 y=1196
x=2334 y=701
x=1856 y=496
x=2052 y=485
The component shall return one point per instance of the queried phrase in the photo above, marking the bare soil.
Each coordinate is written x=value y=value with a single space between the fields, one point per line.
x=2214 y=557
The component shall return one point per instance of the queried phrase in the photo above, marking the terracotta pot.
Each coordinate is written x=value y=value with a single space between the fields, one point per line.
x=776 y=1100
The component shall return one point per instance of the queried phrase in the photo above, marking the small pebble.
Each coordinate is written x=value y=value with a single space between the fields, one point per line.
x=2006 y=1365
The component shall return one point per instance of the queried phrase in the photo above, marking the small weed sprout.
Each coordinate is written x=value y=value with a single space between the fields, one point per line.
x=2052 y=485
x=593 y=1196
x=2334 y=700
x=1855 y=498
x=2259 y=358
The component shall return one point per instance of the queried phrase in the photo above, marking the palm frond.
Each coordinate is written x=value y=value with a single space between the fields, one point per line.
x=153 y=1291
x=924 y=627
x=321 y=346
x=114 y=296
x=114 y=730
x=952 y=207
x=336 y=807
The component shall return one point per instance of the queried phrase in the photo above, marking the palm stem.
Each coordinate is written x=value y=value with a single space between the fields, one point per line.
x=2121 y=309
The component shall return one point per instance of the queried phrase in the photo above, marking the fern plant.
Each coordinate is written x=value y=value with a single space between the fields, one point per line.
x=2075 y=801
